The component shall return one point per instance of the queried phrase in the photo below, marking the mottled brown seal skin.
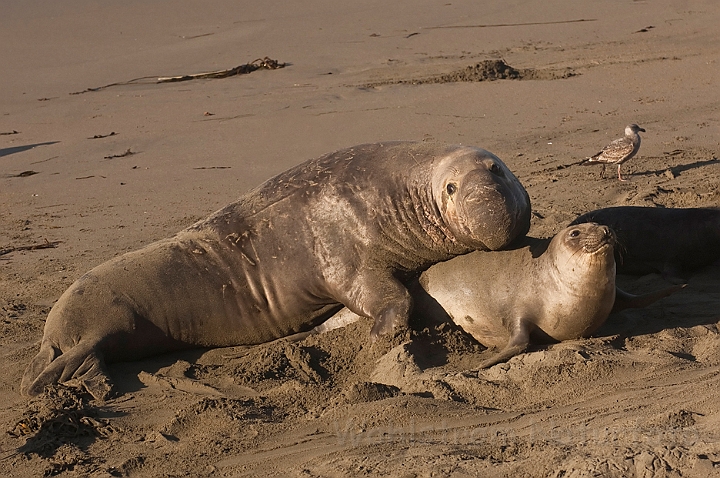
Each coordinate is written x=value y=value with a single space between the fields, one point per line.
x=348 y=228
x=672 y=241
x=545 y=291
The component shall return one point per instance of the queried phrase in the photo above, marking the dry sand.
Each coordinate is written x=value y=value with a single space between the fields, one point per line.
x=641 y=399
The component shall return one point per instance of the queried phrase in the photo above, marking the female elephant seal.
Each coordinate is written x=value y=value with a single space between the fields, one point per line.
x=546 y=291
x=672 y=241
x=346 y=228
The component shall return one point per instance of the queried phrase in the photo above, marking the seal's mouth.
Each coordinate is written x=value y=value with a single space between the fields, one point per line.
x=595 y=248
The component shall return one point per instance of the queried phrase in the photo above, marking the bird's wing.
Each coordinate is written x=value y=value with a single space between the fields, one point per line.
x=615 y=151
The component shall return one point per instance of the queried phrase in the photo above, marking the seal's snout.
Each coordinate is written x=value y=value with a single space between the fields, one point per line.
x=496 y=205
x=607 y=234
x=593 y=237
x=600 y=234
x=484 y=205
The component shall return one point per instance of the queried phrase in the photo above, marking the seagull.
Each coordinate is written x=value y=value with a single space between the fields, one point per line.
x=618 y=151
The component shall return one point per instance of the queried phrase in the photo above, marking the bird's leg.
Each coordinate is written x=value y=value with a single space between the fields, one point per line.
x=620 y=177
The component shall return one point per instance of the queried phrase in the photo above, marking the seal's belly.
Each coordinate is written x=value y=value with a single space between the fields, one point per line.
x=487 y=331
x=472 y=310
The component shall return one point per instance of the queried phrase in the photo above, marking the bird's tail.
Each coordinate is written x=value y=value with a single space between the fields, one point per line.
x=590 y=160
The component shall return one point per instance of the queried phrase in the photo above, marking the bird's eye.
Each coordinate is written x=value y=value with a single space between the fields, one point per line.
x=451 y=188
x=574 y=233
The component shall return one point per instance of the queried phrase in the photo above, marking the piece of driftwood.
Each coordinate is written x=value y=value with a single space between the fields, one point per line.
x=261 y=63
x=524 y=24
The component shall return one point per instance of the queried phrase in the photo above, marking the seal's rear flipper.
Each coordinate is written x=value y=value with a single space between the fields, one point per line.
x=673 y=274
x=42 y=360
x=81 y=365
x=624 y=300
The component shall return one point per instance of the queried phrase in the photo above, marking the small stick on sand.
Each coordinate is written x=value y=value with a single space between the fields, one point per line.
x=100 y=136
x=121 y=155
x=46 y=245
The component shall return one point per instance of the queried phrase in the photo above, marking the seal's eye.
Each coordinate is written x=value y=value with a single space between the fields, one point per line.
x=451 y=188
x=574 y=233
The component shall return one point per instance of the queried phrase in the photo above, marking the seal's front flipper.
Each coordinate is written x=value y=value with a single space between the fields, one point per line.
x=93 y=377
x=624 y=300
x=394 y=317
x=518 y=343
x=82 y=366
x=381 y=298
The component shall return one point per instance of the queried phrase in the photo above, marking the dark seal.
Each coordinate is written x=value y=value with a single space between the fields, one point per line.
x=348 y=228
x=672 y=241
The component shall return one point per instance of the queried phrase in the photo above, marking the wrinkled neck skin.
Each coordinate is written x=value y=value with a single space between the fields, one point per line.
x=583 y=273
x=413 y=230
x=434 y=226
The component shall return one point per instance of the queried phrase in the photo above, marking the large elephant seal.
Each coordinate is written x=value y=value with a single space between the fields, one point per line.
x=672 y=241
x=544 y=291
x=347 y=228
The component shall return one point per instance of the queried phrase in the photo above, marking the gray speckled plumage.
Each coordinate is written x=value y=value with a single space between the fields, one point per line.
x=619 y=150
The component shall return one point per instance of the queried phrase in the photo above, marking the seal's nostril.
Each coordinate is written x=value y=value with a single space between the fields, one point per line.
x=493 y=167
x=607 y=232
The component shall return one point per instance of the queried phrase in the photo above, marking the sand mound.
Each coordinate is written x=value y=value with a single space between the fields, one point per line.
x=487 y=70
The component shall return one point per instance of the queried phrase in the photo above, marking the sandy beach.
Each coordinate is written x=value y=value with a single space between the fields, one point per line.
x=98 y=158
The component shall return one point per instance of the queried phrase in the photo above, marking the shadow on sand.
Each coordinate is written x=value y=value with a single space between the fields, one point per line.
x=20 y=149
